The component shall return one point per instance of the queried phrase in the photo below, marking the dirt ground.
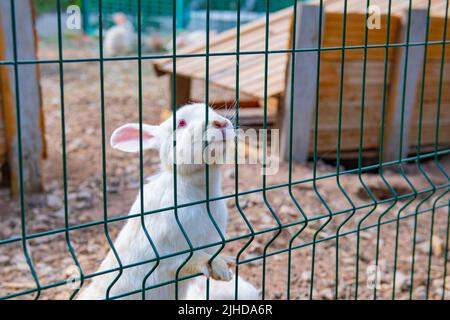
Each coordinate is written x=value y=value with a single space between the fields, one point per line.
x=54 y=264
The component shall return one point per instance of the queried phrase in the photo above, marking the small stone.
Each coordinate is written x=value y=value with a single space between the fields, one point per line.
x=255 y=198
x=113 y=185
x=401 y=281
x=420 y=293
x=437 y=246
x=326 y=294
x=424 y=247
x=277 y=295
x=83 y=200
x=75 y=145
x=133 y=183
x=266 y=219
x=306 y=276
x=286 y=210
x=366 y=235
x=364 y=257
x=4 y=259
x=53 y=201
x=244 y=204
x=58 y=214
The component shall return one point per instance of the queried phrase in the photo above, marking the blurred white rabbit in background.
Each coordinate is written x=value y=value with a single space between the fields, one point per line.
x=120 y=38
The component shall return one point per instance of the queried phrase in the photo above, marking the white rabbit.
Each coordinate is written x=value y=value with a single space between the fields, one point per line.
x=120 y=38
x=133 y=246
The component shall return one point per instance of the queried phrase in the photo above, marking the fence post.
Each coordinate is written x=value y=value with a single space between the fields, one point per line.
x=32 y=142
x=404 y=90
x=304 y=89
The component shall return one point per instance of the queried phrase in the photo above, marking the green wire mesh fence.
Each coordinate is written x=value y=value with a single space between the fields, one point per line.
x=411 y=197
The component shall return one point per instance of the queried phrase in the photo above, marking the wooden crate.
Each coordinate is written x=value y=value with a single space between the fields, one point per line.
x=330 y=78
x=421 y=59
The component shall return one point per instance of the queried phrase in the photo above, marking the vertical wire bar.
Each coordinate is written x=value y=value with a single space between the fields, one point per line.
x=397 y=238
x=63 y=144
x=103 y=128
x=141 y=150
x=419 y=142
x=447 y=237
x=264 y=191
x=433 y=213
x=315 y=160
x=383 y=178
x=291 y=143
x=208 y=207
x=436 y=147
x=360 y=150
x=412 y=199
x=174 y=145
x=381 y=148
x=441 y=79
x=19 y=146
x=401 y=147
x=338 y=152
x=236 y=153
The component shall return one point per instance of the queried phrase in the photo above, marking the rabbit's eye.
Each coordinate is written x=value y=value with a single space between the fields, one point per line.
x=182 y=123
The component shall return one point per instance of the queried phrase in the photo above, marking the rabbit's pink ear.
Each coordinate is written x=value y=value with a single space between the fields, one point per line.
x=127 y=137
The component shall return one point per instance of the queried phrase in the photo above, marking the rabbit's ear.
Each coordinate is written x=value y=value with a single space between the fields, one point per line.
x=127 y=137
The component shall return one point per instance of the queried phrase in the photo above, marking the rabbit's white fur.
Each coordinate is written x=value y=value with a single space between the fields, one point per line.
x=132 y=244
x=221 y=290
x=119 y=39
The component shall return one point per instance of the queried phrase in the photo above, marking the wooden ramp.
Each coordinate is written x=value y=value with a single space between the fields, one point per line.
x=222 y=68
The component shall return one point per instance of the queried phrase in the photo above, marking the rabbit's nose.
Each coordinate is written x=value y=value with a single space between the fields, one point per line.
x=219 y=124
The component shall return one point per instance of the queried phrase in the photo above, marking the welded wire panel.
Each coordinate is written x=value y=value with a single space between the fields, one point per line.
x=367 y=217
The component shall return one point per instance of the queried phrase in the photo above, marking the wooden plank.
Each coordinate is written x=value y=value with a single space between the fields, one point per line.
x=355 y=33
x=405 y=83
x=30 y=97
x=182 y=91
x=251 y=117
x=227 y=36
x=327 y=140
x=304 y=89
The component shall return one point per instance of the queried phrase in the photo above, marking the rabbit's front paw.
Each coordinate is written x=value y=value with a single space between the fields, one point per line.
x=219 y=268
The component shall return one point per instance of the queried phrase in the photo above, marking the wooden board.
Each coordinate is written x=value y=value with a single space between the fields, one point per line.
x=222 y=68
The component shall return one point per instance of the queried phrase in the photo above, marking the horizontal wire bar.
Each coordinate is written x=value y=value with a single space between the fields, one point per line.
x=199 y=55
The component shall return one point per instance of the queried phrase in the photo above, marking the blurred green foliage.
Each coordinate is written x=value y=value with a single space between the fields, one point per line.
x=50 y=5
